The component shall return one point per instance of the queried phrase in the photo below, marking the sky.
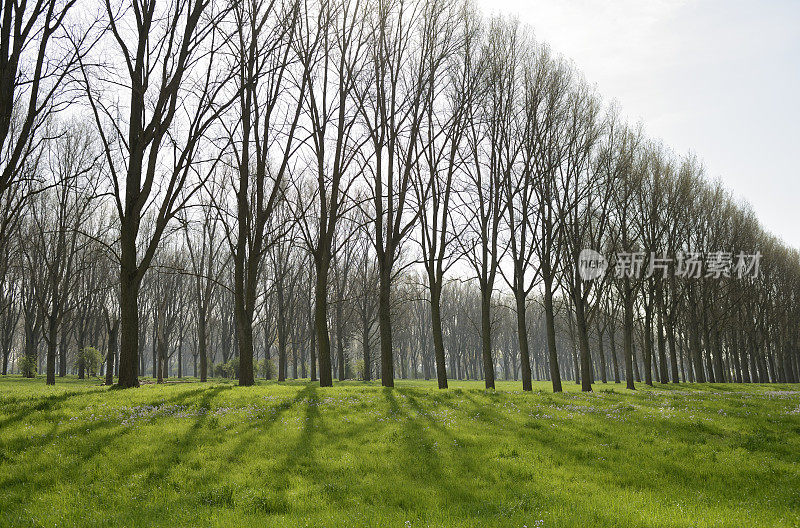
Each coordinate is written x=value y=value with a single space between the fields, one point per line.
x=719 y=78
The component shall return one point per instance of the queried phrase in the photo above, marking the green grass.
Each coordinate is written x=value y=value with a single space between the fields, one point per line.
x=191 y=454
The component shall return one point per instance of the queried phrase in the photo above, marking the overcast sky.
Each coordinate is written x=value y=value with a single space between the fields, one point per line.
x=717 y=77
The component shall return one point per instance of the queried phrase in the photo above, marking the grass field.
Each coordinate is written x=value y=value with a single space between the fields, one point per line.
x=191 y=454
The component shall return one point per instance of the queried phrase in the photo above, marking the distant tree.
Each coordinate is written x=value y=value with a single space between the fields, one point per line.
x=203 y=241
x=58 y=216
x=90 y=358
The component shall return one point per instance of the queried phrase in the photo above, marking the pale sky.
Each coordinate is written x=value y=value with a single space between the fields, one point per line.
x=717 y=77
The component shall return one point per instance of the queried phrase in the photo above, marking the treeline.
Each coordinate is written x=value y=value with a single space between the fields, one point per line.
x=357 y=189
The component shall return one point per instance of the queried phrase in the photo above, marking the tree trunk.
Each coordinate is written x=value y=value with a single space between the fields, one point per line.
x=673 y=350
x=583 y=342
x=747 y=364
x=662 y=353
x=486 y=337
x=112 y=351
x=550 y=322
x=721 y=375
x=244 y=326
x=365 y=347
x=340 y=339
x=601 y=350
x=51 y=350
x=696 y=353
x=129 y=322
x=613 y=341
x=161 y=355
x=321 y=322
x=129 y=291
x=734 y=347
x=628 y=335
x=313 y=352
x=62 y=354
x=648 y=344
x=202 y=346
x=438 y=336
x=281 y=339
x=524 y=351
x=6 y=354
x=385 y=324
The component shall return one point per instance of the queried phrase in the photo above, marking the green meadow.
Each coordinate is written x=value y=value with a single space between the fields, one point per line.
x=294 y=454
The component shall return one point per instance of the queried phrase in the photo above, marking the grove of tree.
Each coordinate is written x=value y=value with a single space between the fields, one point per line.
x=356 y=189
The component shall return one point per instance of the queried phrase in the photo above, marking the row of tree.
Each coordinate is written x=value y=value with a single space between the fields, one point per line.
x=295 y=181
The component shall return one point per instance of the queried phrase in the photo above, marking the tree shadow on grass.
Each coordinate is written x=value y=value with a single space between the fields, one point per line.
x=214 y=492
x=86 y=451
x=300 y=459
x=80 y=427
x=525 y=497
x=246 y=439
x=34 y=405
x=171 y=457
x=639 y=464
x=156 y=461
x=425 y=465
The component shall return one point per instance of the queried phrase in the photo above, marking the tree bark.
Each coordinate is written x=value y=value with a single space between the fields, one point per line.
x=583 y=341
x=321 y=322
x=51 y=350
x=385 y=325
x=112 y=352
x=628 y=335
x=550 y=322
x=202 y=346
x=486 y=337
x=129 y=307
x=438 y=336
x=524 y=352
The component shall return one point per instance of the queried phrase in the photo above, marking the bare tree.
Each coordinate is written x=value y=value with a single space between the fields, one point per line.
x=57 y=218
x=35 y=70
x=262 y=136
x=162 y=58
x=207 y=262
x=404 y=52
x=333 y=52
x=447 y=97
x=532 y=226
x=586 y=214
x=622 y=164
x=493 y=150
x=548 y=156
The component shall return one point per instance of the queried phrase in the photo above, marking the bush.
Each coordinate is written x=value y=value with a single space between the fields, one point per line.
x=229 y=369
x=359 y=366
x=27 y=366
x=220 y=370
x=92 y=359
x=265 y=368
